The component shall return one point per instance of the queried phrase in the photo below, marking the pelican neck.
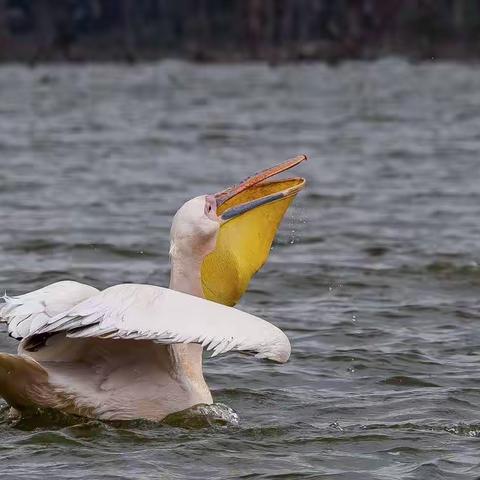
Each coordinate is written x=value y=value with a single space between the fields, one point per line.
x=185 y=275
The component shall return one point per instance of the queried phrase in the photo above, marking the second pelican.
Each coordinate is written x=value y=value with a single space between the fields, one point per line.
x=135 y=351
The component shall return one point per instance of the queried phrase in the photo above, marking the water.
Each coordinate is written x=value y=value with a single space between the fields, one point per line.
x=374 y=275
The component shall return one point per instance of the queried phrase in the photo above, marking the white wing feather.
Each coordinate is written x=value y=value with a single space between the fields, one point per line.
x=26 y=313
x=146 y=312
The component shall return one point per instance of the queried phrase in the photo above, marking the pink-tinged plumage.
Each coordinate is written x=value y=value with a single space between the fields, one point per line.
x=135 y=351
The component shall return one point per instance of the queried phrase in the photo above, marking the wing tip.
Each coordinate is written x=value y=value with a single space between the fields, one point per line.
x=278 y=351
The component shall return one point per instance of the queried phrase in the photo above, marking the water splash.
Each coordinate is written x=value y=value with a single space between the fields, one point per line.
x=201 y=416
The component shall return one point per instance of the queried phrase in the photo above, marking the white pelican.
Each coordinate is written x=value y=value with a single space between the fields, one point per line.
x=135 y=351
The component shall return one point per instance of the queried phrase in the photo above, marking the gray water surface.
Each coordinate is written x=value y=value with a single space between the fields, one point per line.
x=374 y=275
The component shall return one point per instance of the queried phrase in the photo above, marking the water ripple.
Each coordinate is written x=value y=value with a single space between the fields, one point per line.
x=374 y=274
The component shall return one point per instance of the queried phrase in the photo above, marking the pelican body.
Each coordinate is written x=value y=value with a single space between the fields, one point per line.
x=135 y=351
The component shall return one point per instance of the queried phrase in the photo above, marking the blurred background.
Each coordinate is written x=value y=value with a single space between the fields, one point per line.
x=275 y=30
x=114 y=113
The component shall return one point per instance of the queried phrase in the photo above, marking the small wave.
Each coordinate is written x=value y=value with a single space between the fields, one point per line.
x=460 y=429
x=33 y=245
x=376 y=250
x=405 y=381
x=463 y=430
x=444 y=269
x=328 y=200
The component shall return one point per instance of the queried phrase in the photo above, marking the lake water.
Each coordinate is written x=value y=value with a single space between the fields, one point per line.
x=374 y=275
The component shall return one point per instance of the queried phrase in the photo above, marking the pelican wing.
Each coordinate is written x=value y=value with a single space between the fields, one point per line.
x=146 y=312
x=26 y=313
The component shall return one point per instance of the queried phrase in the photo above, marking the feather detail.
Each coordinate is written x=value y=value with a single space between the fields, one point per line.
x=166 y=316
x=25 y=314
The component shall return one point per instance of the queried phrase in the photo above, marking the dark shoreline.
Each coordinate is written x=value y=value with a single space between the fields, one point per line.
x=276 y=31
x=331 y=56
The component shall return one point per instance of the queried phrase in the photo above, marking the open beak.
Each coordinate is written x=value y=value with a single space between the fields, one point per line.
x=255 y=191
x=250 y=214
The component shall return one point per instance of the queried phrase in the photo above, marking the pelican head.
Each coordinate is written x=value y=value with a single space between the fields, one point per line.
x=229 y=234
x=194 y=228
